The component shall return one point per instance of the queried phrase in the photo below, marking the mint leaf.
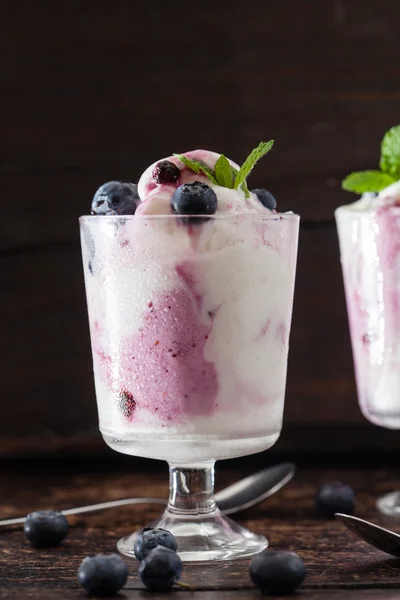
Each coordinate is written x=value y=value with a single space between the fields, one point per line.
x=251 y=160
x=390 y=152
x=366 y=181
x=244 y=187
x=189 y=163
x=197 y=167
x=225 y=175
x=224 y=172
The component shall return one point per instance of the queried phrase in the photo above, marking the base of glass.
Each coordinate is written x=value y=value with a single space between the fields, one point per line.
x=390 y=420
x=389 y=504
x=195 y=448
x=204 y=537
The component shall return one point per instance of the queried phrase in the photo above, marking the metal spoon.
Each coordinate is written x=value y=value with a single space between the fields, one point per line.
x=235 y=497
x=383 y=539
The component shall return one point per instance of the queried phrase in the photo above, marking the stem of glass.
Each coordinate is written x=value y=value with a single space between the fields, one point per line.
x=191 y=489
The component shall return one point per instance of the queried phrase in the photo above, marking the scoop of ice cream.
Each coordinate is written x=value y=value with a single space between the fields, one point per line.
x=391 y=193
x=370 y=201
x=156 y=195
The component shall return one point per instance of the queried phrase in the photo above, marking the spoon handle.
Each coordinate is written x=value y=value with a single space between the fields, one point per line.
x=92 y=508
x=240 y=495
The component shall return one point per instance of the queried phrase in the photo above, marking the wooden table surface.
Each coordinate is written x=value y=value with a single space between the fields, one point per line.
x=339 y=565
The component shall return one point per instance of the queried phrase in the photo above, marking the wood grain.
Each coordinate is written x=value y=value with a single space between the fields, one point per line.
x=335 y=559
x=97 y=91
x=67 y=594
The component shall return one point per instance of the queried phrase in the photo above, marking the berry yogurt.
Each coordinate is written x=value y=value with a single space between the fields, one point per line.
x=190 y=303
x=369 y=236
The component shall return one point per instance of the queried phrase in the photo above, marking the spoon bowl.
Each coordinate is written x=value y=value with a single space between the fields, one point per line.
x=254 y=488
x=379 y=537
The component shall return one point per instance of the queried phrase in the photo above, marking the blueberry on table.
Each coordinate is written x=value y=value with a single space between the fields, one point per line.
x=45 y=528
x=161 y=569
x=148 y=538
x=335 y=497
x=266 y=198
x=277 y=571
x=166 y=171
x=115 y=198
x=103 y=575
x=195 y=198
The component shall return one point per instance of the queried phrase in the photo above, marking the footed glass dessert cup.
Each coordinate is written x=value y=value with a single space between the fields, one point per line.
x=369 y=236
x=189 y=322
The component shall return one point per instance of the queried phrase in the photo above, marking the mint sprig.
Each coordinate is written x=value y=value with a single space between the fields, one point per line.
x=366 y=181
x=390 y=152
x=251 y=160
x=224 y=173
x=377 y=180
x=244 y=187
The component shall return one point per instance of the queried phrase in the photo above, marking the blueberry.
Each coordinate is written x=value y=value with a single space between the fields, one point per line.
x=148 y=538
x=45 y=528
x=115 y=198
x=103 y=574
x=335 y=497
x=166 y=172
x=277 y=571
x=194 y=199
x=160 y=569
x=126 y=403
x=266 y=198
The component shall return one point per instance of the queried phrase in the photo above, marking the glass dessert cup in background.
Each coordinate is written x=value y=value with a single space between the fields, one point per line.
x=189 y=322
x=370 y=257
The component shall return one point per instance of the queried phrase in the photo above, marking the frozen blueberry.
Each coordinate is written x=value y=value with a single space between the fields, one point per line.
x=148 y=538
x=103 y=575
x=277 y=571
x=115 y=198
x=126 y=403
x=45 y=528
x=335 y=497
x=266 y=198
x=161 y=569
x=166 y=171
x=194 y=199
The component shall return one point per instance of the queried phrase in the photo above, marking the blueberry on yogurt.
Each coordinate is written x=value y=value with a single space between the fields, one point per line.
x=166 y=171
x=195 y=198
x=115 y=198
x=265 y=197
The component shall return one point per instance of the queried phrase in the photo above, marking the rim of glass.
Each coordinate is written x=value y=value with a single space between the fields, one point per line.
x=223 y=217
x=346 y=209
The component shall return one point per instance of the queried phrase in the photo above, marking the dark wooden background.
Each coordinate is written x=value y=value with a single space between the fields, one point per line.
x=96 y=90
